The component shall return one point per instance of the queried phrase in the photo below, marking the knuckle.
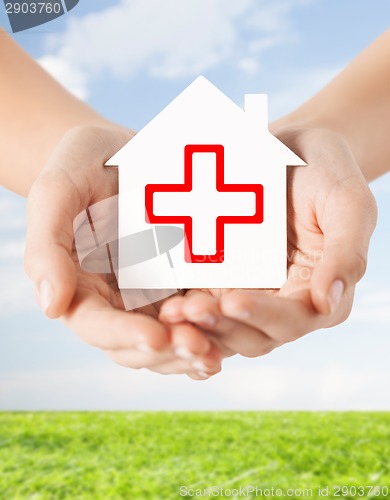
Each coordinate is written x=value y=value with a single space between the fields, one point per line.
x=342 y=317
x=359 y=265
x=94 y=342
x=362 y=194
x=344 y=313
x=92 y=338
x=123 y=359
x=87 y=133
x=366 y=203
x=372 y=208
x=32 y=261
x=294 y=332
x=214 y=372
x=351 y=261
x=263 y=348
x=40 y=187
x=236 y=300
x=255 y=353
x=268 y=347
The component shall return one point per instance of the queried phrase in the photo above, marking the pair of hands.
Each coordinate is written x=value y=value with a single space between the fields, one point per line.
x=331 y=216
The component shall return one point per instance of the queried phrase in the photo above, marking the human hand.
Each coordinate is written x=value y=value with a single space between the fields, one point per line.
x=331 y=216
x=91 y=304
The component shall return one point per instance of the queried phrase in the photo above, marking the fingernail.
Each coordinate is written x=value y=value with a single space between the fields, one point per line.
x=170 y=314
x=203 y=374
x=208 y=320
x=199 y=366
x=167 y=312
x=335 y=294
x=45 y=295
x=143 y=347
x=184 y=353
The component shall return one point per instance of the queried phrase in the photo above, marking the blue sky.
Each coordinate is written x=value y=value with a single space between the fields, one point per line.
x=129 y=59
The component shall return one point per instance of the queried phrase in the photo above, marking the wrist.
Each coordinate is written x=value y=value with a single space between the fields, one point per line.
x=310 y=140
x=46 y=141
x=299 y=122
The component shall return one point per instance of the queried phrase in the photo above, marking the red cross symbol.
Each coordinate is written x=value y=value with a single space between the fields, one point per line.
x=221 y=220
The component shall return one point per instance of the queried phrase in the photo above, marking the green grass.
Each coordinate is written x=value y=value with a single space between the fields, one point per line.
x=145 y=455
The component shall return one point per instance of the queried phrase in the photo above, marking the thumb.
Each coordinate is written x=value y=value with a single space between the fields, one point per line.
x=48 y=256
x=347 y=223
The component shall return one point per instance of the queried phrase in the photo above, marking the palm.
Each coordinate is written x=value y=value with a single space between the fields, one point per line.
x=103 y=290
x=89 y=303
x=304 y=237
x=100 y=288
x=322 y=197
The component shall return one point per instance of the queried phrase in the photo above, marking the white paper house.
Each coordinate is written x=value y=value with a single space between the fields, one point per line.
x=200 y=129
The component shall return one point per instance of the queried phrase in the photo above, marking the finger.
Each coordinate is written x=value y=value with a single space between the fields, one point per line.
x=234 y=335
x=102 y=326
x=199 y=368
x=61 y=191
x=206 y=363
x=172 y=310
x=151 y=359
x=189 y=347
x=189 y=342
x=281 y=319
x=347 y=223
x=172 y=313
x=208 y=366
x=158 y=305
x=48 y=261
x=197 y=376
x=210 y=363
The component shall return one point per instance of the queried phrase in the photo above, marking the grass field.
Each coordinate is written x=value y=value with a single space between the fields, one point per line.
x=150 y=455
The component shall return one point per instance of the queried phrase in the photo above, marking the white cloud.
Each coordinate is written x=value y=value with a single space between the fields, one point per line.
x=169 y=39
x=248 y=65
x=67 y=74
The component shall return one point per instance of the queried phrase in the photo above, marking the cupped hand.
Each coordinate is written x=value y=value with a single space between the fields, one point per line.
x=90 y=304
x=331 y=217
